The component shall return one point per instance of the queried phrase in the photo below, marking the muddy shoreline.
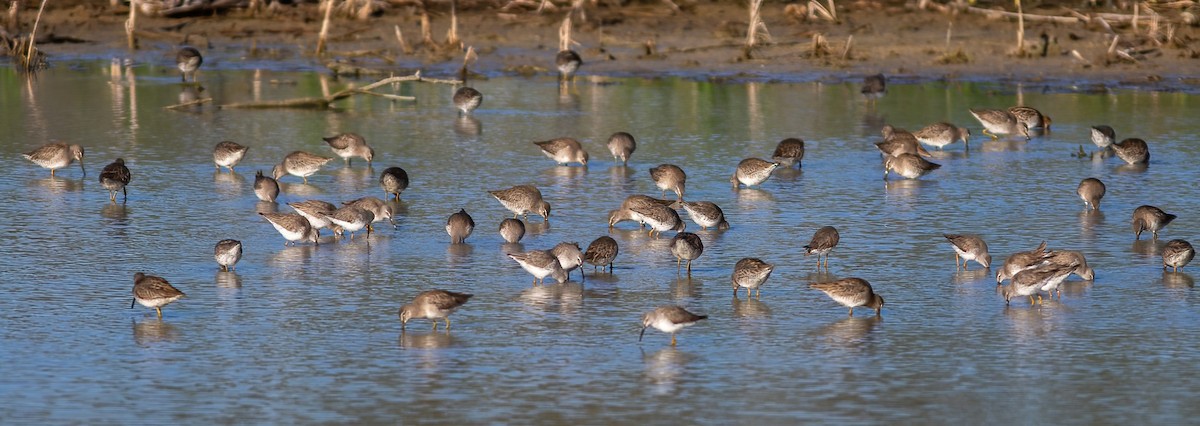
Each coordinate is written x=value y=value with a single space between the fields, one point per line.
x=700 y=41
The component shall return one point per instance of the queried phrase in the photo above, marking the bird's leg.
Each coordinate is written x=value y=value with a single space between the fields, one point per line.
x=124 y=192
x=305 y=179
x=689 y=268
x=447 y=324
x=159 y=309
x=672 y=339
x=851 y=311
x=735 y=290
x=435 y=323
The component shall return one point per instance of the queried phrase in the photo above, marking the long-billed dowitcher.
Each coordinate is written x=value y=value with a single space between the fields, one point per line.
x=380 y=209
x=1177 y=254
x=1028 y=282
x=1030 y=117
x=115 y=176
x=300 y=164
x=706 y=214
x=1091 y=190
x=669 y=177
x=188 y=59
x=349 y=145
x=938 y=135
x=1150 y=218
x=601 y=252
x=459 y=226
x=265 y=187
x=567 y=62
x=686 y=246
x=433 y=305
x=660 y=218
x=752 y=171
x=908 y=165
x=669 y=319
x=789 y=152
x=626 y=211
x=1068 y=257
x=564 y=151
x=750 y=273
x=1104 y=136
x=874 y=86
x=315 y=211
x=622 y=145
x=823 y=241
x=898 y=141
x=351 y=218
x=999 y=122
x=512 y=230
x=228 y=253
x=153 y=292
x=1132 y=151
x=540 y=264
x=228 y=154
x=394 y=180
x=55 y=156
x=522 y=200
x=969 y=247
x=570 y=257
x=466 y=99
x=851 y=293
x=1023 y=260
x=293 y=227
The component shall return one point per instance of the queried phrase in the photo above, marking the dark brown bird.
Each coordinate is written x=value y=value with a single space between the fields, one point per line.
x=823 y=241
x=1150 y=218
x=601 y=252
x=1133 y=151
x=852 y=293
x=434 y=305
x=153 y=292
x=115 y=176
x=459 y=226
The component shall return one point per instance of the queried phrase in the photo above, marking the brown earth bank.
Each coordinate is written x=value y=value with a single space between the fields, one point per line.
x=1066 y=45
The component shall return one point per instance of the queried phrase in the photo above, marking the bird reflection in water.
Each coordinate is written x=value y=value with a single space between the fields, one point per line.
x=357 y=178
x=1177 y=280
x=536 y=228
x=664 y=368
x=685 y=287
x=468 y=125
x=563 y=174
x=1004 y=145
x=620 y=176
x=567 y=98
x=228 y=184
x=58 y=185
x=153 y=330
x=1089 y=221
x=1148 y=247
x=750 y=308
x=564 y=297
x=266 y=207
x=228 y=279
x=287 y=259
x=427 y=340
x=301 y=190
x=964 y=276
x=115 y=212
x=1131 y=168
x=849 y=332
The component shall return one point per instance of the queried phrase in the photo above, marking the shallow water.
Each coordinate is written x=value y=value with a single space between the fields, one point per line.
x=310 y=333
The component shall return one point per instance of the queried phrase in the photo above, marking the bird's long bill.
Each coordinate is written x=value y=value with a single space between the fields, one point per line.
x=402 y=324
x=134 y=301
x=81 y=170
x=643 y=333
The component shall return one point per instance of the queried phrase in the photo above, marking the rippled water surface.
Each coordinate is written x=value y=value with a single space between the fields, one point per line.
x=311 y=334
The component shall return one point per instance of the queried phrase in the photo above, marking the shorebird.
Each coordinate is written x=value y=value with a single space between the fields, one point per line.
x=459 y=226
x=999 y=122
x=188 y=60
x=315 y=211
x=466 y=99
x=969 y=247
x=153 y=292
x=1150 y=218
x=1091 y=190
x=899 y=141
x=394 y=180
x=300 y=164
x=1177 y=254
x=1067 y=257
x=1028 y=282
x=348 y=145
x=433 y=305
x=1023 y=260
x=622 y=145
x=55 y=156
x=512 y=230
x=1132 y=151
x=908 y=165
x=601 y=252
x=669 y=177
x=564 y=151
x=752 y=171
x=660 y=218
x=626 y=211
x=706 y=214
x=567 y=62
x=293 y=227
x=686 y=246
x=115 y=176
x=265 y=187
x=852 y=293
x=1030 y=117
x=380 y=209
x=823 y=241
x=874 y=86
x=750 y=273
x=669 y=319
x=540 y=264
x=789 y=152
x=228 y=253
x=228 y=154
x=569 y=256
x=938 y=135
x=522 y=200
x=351 y=219
x=1103 y=136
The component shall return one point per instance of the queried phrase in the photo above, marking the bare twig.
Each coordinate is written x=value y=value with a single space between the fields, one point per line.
x=564 y=34
x=846 y=51
x=131 y=25
x=189 y=103
x=756 y=26
x=452 y=33
x=1020 y=29
x=326 y=101
x=426 y=31
x=403 y=45
x=324 y=27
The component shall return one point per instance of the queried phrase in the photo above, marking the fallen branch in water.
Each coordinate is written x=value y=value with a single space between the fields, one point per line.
x=189 y=103
x=326 y=101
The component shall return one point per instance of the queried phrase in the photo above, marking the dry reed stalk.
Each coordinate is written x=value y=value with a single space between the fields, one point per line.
x=426 y=30
x=30 y=52
x=949 y=33
x=815 y=9
x=1136 y=7
x=324 y=27
x=564 y=34
x=756 y=26
x=846 y=51
x=403 y=44
x=1020 y=29
x=13 y=7
x=131 y=25
x=832 y=10
x=452 y=34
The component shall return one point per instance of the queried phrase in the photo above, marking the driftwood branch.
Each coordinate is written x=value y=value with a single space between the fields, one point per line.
x=189 y=103
x=326 y=101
